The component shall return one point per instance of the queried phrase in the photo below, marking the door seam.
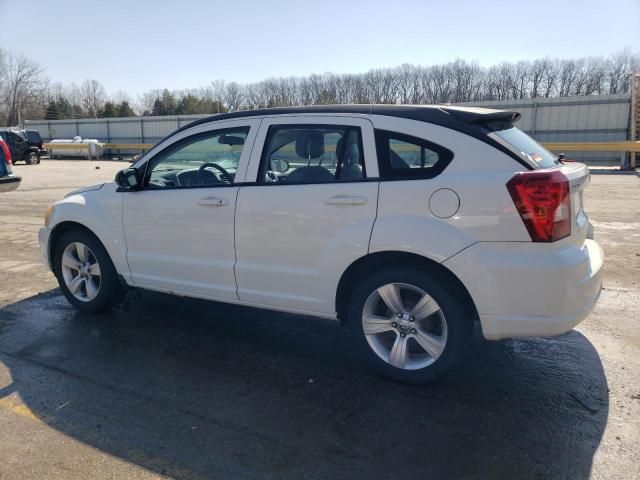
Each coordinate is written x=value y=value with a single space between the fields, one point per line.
x=235 y=209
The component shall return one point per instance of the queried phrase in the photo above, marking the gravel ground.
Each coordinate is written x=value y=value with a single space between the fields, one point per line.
x=176 y=388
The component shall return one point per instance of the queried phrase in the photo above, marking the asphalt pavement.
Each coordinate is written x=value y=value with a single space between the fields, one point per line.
x=167 y=387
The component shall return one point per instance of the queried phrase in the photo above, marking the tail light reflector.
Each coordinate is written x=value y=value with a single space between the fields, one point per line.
x=6 y=152
x=543 y=202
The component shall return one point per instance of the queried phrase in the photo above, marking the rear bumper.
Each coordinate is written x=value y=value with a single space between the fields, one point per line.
x=8 y=184
x=525 y=289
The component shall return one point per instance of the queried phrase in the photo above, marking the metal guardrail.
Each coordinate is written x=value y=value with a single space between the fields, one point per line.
x=594 y=147
x=104 y=146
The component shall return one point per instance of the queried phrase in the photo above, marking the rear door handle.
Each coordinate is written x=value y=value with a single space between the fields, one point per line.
x=213 y=202
x=346 y=200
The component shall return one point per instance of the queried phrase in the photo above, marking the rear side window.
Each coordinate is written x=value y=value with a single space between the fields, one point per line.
x=33 y=136
x=527 y=147
x=403 y=157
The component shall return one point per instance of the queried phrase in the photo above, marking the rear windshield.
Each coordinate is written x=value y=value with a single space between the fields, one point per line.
x=528 y=148
x=33 y=136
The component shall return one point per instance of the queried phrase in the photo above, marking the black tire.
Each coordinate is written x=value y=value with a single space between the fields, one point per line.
x=38 y=162
x=31 y=159
x=459 y=325
x=110 y=292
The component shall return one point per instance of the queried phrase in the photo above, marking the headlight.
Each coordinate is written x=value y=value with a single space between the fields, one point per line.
x=47 y=214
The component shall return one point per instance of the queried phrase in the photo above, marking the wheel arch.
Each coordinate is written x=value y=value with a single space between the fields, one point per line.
x=379 y=260
x=63 y=227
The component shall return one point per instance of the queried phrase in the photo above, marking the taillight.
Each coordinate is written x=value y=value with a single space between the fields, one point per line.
x=543 y=201
x=6 y=152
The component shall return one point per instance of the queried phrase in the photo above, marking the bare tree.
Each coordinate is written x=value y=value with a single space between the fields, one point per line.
x=120 y=96
x=218 y=91
x=24 y=82
x=618 y=67
x=552 y=72
x=25 y=91
x=92 y=96
x=596 y=76
x=233 y=96
x=537 y=74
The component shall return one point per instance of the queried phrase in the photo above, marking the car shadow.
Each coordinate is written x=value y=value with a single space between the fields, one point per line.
x=194 y=389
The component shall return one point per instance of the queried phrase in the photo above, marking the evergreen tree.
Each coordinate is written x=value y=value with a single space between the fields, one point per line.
x=52 y=112
x=109 y=110
x=125 y=110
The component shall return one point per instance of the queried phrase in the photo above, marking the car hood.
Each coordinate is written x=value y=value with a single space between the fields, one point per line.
x=89 y=188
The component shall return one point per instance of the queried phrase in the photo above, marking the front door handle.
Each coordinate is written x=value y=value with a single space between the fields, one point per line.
x=346 y=200
x=213 y=202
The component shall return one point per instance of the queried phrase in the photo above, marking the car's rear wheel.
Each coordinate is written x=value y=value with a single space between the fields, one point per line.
x=410 y=326
x=85 y=272
x=32 y=159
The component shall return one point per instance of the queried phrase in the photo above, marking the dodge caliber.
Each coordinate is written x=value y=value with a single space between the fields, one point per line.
x=407 y=224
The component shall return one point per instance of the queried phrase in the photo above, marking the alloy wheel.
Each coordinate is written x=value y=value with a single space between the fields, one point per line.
x=404 y=326
x=81 y=271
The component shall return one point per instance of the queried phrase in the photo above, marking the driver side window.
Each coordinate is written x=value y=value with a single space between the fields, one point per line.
x=204 y=160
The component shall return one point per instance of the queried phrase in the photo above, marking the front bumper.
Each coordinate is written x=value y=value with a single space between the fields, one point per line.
x=525 y=289
x=43 y=239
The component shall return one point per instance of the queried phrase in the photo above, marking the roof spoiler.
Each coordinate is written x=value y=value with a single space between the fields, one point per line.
x=489 y=118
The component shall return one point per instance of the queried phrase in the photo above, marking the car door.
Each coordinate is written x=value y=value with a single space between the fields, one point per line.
x=16 y=145
x=179 y=226
x=309 y=213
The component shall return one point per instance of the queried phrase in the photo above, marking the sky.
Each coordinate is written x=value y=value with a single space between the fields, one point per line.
x=139 y=45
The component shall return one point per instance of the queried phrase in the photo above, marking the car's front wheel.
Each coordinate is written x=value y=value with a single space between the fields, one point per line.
x=409 y=324
x=85 y=272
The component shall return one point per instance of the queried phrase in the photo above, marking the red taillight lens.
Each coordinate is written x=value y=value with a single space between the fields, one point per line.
x=543 y=201
x=6 y=152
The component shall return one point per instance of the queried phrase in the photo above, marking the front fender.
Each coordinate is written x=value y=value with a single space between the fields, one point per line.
x=101 y=212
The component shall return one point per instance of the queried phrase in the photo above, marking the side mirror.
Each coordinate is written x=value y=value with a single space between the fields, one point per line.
x=128 y=179
x=279 y=165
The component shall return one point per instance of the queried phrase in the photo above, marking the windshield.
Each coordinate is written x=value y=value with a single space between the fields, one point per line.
x=527 y=147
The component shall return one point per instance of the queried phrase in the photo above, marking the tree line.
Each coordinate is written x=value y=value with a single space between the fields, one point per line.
x=27 y=93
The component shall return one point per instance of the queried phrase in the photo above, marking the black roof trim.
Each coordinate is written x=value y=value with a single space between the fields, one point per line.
x=469 y=120
x=438 y=114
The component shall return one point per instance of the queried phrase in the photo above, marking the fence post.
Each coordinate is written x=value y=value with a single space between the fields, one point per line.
x=634 y=133
x=534 y=120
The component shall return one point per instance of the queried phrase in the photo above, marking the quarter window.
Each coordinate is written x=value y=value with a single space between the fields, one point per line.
x=296 y=154
x=405 y=157
x=205 y=160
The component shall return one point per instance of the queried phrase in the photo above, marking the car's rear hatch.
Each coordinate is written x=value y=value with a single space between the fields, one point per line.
x=541 y=161
x=579 y=177
x=539 y=188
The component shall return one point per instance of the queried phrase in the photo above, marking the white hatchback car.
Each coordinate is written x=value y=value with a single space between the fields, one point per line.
x=407 y=223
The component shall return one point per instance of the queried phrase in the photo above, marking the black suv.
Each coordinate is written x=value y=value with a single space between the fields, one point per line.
x=24 y=145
